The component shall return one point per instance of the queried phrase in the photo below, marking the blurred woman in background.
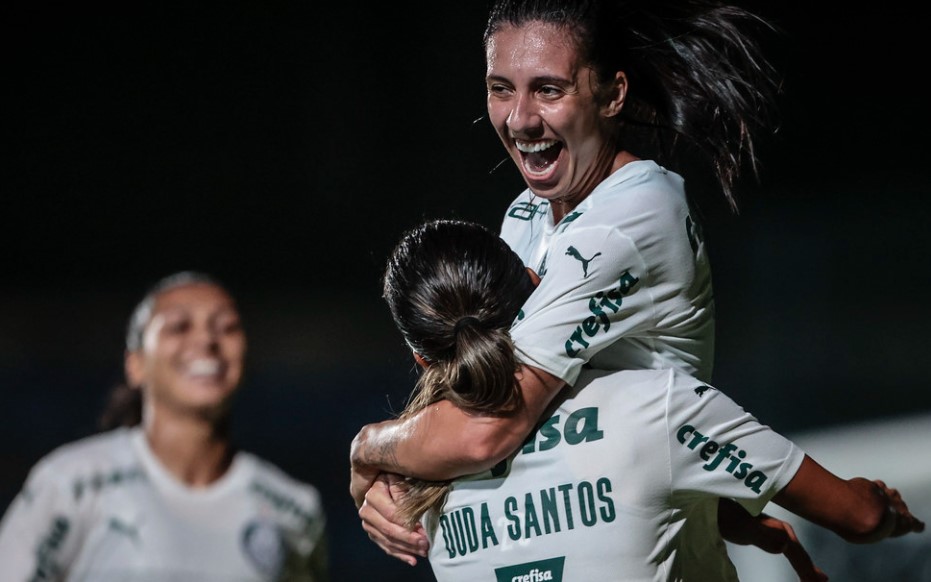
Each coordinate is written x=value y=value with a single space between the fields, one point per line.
x=163 y=493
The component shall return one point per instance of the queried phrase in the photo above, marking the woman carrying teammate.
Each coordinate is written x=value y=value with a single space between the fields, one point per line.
x=622 y=479
x=582 y=94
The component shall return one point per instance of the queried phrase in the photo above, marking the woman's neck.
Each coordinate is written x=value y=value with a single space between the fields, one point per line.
x=563 y=206
x=195 y=451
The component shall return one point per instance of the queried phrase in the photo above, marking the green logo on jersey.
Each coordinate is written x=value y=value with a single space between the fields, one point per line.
x=575 y=254
x=96 y=482
x=599 y=319
x=691 y=438
x=540 y=571
x=528 y=210
x=568 y=219
x=47 y=564
x=581 y=427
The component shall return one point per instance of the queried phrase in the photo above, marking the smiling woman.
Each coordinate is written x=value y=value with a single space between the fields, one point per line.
x=600 y=104
x=163 y=493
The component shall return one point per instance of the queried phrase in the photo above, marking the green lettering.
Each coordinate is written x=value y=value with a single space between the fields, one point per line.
x=709 y=449
x=447 y=539
x=567 y=502
x=550 y=510
x=530 y=518
x=510 y=506
x=607 y=510
x=488 y=528
x=587 y=504
x=755 y=480
x=550 y=432
x=588 y=431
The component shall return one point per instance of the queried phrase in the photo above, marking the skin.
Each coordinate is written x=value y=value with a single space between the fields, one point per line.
x=540 y=93
x=189 y=368
x=858 y=510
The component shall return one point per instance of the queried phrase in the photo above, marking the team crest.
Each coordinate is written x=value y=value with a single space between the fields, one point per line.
x=263 y=545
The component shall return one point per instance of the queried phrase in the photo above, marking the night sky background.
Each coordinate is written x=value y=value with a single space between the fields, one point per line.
x=285 y=146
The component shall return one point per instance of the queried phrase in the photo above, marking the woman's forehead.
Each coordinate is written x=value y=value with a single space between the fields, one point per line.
x=533 y=46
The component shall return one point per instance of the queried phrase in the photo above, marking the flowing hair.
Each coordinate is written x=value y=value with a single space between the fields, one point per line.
x=454 y=288
x=698 y=76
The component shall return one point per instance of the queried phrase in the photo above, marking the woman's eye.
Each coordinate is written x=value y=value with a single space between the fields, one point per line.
x=497 y=89
x=226 y=323
x=230 y=327
x=176 y=327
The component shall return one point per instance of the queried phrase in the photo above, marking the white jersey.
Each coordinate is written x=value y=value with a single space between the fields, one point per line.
x=621 y=483
x=626 y=281
x=104 y=509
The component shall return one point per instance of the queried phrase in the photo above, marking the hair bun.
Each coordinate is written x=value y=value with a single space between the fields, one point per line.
x=464 y=322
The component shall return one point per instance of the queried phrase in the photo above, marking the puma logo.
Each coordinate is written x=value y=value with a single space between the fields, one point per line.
x=575 y=254
x=702 y=389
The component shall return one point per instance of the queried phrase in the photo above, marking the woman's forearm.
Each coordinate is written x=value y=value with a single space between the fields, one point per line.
x=443 y=442
x=857 y=509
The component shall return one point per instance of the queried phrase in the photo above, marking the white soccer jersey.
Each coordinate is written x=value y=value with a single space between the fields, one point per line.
x=104 y=509
x=626 y=282
x=621 y=483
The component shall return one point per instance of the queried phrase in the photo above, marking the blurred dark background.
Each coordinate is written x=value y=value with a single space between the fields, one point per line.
x=284 y=146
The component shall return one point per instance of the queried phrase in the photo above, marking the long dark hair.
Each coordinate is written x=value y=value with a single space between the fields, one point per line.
x=124 y=403
x=454 y=289
x=696 y=68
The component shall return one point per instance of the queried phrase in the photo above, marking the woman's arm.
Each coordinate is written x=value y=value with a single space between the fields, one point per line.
x=859 y=510
x=443 y=442
x=771 y=535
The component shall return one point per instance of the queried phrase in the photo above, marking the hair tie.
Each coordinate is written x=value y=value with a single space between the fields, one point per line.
x=468 y=320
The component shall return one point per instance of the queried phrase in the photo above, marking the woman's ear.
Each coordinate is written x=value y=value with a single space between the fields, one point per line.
x=133 y=366
x=419 y=359
x=617 y=94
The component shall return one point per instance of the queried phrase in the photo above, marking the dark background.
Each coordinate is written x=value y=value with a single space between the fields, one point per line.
x=284 y=146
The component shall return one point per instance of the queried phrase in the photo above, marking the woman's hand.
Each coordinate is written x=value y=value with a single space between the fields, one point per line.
x=771 y=535
x=379 y=520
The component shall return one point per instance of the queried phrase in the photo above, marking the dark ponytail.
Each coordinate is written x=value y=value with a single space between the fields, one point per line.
x=701 y=90
x=454 y=288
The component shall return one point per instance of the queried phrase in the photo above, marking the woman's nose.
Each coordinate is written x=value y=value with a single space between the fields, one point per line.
x=524 y=118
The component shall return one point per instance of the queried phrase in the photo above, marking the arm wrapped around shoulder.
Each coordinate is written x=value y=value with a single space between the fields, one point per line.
x=859 y=510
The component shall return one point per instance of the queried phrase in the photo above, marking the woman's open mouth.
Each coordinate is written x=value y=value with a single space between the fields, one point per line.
x=539 y=158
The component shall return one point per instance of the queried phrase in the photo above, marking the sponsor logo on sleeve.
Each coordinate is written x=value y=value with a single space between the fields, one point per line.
x=599 y=305
x=728 y=457
x=47 y=565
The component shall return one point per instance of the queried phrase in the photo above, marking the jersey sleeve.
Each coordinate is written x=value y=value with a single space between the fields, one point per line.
x=307 y=530
x=38 y=540
x=593 y=291
x=719 y=449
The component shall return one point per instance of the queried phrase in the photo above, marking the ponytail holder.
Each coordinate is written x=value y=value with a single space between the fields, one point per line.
x=467 y=321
